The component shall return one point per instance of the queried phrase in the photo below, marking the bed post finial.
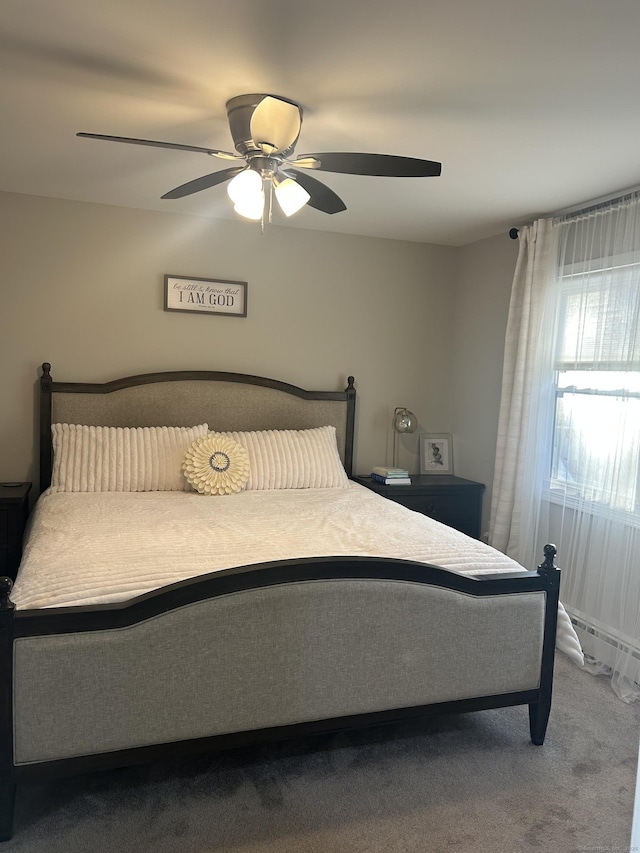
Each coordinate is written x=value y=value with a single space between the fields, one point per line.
x=548 y=565
x=350 y=385
x=45 y=379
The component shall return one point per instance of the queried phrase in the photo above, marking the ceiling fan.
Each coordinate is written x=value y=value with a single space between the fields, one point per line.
x=265 y=129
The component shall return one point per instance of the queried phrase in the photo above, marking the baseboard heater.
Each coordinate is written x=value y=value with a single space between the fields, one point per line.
x=587 y=629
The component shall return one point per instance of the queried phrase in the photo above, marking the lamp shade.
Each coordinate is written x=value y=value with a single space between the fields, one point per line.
x=246 y=185
x=291 y=196
x=404 y=421
x=247 y=194
x=251 y=208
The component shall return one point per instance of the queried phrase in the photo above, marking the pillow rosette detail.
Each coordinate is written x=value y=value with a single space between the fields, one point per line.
x=216 y=465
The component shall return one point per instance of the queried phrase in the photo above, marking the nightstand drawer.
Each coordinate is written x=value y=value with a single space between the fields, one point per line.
x=440 y=507
x=457 y=510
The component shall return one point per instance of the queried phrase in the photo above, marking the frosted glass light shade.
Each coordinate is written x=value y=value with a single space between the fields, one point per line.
x=251 y=208
x=244 y=186
x=247 y=194
x=290 y=196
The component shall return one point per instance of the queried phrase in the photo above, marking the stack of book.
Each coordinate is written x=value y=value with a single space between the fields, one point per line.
x=391 y=476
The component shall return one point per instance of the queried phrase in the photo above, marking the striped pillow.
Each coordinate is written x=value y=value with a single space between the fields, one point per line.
x=120 y=459
x=293 y=459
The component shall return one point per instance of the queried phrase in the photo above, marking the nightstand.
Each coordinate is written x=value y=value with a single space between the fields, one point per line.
x=451 y=500
x=14 y=509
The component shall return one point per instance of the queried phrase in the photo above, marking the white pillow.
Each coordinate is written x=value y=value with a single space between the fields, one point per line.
x=216 y=465
x=293 y=459
x=120 y=459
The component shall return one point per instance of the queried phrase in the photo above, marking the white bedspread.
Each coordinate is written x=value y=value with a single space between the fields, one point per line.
x=91 y=548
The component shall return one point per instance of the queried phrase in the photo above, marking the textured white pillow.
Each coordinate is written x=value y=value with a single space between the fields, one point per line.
x=216 y=465
x=293 y=458
x=120 y=459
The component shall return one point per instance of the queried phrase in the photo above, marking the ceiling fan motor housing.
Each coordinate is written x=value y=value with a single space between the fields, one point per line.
x=240 y=111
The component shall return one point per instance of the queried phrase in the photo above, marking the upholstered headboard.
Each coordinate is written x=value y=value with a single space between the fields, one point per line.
x=226 y=401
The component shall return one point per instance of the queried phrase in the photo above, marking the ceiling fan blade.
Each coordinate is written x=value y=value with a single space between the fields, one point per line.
x=322 y=198
x=176 y=146
x=275 y=124
x=204 y=182
x=384 y=165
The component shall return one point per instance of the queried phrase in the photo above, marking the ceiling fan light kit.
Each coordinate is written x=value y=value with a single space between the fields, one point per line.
x=265 y=130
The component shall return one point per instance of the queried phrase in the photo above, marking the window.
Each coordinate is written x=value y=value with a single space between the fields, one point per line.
x=596 y=452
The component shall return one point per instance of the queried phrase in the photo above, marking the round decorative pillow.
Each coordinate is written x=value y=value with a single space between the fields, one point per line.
x=216 y=465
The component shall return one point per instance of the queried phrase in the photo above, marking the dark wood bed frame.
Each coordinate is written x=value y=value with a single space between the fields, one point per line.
x=65 y=620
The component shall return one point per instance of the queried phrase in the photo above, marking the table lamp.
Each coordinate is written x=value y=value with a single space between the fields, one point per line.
x=404 y=421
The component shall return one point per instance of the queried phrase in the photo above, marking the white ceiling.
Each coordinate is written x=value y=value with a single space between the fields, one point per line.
x=530 y=106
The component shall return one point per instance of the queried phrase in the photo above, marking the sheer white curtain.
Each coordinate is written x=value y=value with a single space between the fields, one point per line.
x=568 y=460
x=526 y=344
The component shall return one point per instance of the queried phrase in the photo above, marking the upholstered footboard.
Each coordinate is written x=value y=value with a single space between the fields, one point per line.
x=273 y=656
x=254 y=653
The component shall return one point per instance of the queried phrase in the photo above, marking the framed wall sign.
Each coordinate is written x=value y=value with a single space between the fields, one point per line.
x=205 y=296
x=436 y=453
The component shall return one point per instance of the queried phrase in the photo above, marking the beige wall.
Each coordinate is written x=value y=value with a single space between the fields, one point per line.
x=81 y=286
x=484 y=276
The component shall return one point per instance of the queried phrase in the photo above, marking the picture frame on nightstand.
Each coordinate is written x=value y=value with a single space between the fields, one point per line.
x=436 y=453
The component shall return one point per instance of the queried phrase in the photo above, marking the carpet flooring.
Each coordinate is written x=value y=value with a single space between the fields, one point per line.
x=464 y=783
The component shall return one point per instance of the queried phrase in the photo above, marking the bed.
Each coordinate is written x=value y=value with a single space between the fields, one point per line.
x=150 y=618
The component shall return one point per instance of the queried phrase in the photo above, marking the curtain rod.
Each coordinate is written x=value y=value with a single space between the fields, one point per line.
x=583 y=206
